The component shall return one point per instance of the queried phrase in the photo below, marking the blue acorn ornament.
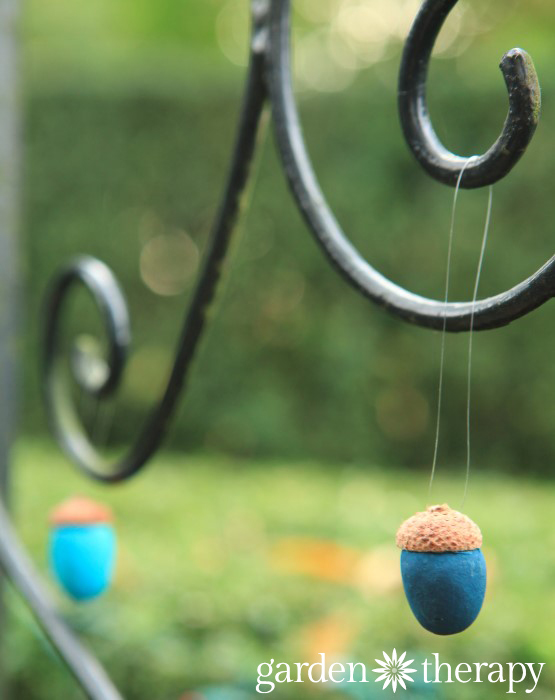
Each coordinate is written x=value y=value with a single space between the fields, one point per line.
x=443 y=568
x=82 y=547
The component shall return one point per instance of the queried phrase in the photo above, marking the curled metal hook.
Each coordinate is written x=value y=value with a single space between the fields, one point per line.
x=524 y=107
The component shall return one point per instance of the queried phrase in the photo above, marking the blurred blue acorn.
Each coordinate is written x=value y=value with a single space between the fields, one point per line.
x=82 y=547
x=443 y=569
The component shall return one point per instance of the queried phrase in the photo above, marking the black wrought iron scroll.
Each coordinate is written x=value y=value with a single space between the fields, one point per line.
x=100 y=281
x=269 y=79
x=486 y=313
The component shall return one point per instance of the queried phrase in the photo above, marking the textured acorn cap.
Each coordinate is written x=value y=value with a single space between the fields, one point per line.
x=439 y=529
x=80 y=511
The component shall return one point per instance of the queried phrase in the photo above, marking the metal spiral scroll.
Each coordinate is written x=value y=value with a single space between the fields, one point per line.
x=101 y=283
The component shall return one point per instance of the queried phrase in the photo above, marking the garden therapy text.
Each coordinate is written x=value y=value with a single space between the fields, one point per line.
x=433 y=671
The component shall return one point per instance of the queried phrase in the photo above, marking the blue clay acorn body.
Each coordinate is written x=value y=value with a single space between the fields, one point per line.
x=445 y=590
x=82 y=558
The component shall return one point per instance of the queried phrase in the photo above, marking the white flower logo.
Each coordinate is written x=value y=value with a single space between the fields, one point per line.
x=394 y=670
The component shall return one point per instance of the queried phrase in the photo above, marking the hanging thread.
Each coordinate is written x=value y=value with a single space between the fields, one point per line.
x=444 y=327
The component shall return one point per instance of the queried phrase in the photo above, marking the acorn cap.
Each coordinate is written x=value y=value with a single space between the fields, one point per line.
x=80 y=511
x=439 y=529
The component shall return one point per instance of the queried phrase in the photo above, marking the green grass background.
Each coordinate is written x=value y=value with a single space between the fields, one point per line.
x=202 y=594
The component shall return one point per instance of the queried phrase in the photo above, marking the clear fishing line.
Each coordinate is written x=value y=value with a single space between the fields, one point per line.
x=444 y=331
